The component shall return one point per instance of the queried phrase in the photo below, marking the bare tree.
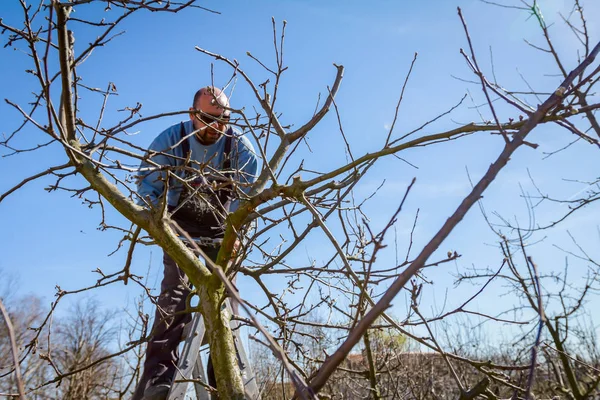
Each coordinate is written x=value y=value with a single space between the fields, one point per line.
x=290 y=200
x=85 y=337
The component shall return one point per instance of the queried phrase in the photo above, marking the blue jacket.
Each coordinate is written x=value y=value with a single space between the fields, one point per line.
x=243 y=160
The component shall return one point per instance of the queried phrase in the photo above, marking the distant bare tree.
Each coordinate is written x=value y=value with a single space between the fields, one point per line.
x=82 y=339
x=79 y=346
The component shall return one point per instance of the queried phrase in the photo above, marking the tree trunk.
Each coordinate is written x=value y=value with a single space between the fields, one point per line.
x=220 y=338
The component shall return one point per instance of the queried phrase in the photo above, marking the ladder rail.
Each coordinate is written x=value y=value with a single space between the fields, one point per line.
x=190 y=355
x=198 y=373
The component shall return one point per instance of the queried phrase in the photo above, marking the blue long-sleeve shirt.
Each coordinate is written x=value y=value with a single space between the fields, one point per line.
x=243 y=161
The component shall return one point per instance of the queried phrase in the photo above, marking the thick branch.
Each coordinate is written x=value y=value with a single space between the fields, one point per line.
x=64 y=50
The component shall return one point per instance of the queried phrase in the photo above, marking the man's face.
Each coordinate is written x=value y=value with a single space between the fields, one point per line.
x=209 y=127
x=211 y=122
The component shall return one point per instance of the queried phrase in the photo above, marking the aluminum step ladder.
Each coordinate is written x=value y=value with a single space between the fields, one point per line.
x=190 y=363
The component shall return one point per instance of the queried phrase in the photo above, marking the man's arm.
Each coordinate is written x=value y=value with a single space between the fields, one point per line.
x=151 y=182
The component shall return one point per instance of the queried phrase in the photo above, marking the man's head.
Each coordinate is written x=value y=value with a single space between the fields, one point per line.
x=209 y=114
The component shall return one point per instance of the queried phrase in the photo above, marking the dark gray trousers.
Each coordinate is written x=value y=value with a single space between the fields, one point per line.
x=162 y=354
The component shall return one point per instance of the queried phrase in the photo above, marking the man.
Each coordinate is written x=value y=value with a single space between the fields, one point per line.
x=217 y=154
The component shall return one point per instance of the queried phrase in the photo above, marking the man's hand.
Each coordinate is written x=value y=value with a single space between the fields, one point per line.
x=237 y=246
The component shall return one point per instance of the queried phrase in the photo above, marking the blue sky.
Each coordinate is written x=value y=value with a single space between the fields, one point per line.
x=52 y=239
